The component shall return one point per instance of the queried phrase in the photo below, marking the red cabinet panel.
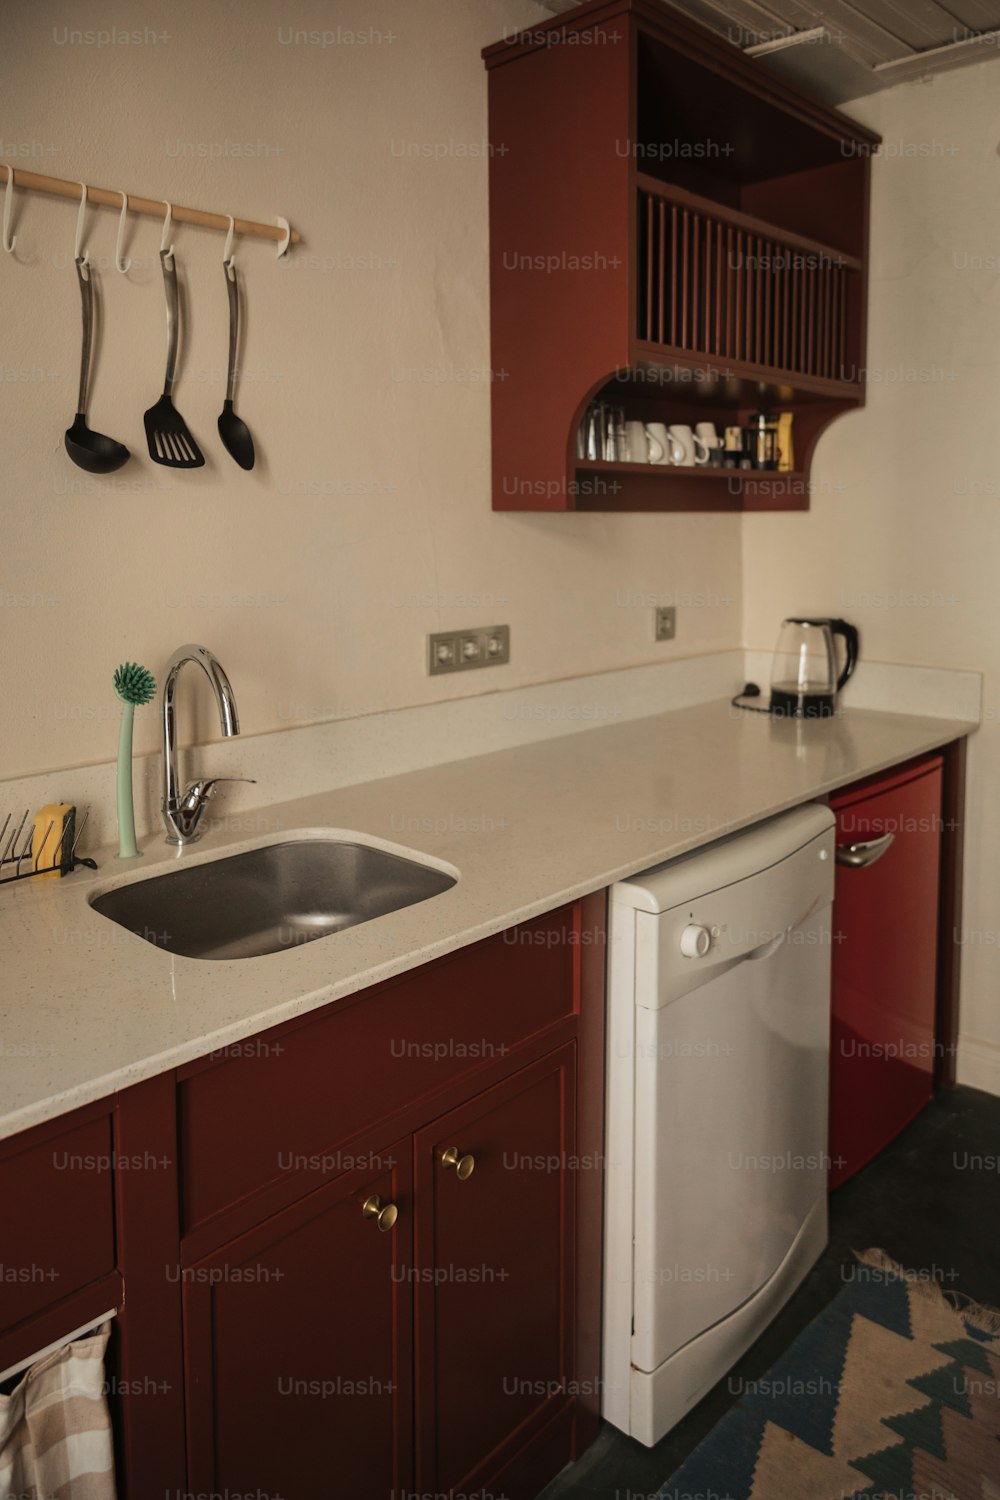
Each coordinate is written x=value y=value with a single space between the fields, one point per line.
x=495 y=1274
x=149 y=1356
x=253 y=1114
x=58 y=1220
x=884 y=964
x=299 y=1349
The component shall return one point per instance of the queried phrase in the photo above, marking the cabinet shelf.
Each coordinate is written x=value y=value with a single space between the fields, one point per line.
x=623 y=487
x=714 y=381
x=761 y=384
x=683 y=471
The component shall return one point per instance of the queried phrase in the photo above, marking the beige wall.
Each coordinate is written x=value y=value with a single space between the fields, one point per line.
x=317 y=577
x=904 y=532
x=367 y=521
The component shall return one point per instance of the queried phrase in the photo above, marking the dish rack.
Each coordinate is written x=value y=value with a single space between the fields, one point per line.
x=15 y=849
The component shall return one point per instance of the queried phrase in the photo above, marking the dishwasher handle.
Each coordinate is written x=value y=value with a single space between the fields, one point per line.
x=859 y=856
x=767 y=948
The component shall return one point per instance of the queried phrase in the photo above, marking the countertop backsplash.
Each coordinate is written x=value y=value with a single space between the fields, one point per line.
x=314 y=758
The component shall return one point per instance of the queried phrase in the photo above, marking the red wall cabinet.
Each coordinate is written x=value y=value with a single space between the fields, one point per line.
x=675 y=230
x=885 y=959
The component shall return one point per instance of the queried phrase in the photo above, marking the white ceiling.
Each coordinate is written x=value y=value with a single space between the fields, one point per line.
x=841 y=49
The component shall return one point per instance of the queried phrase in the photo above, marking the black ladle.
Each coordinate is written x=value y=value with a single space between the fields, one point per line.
x=90 y=450
x=233 y=431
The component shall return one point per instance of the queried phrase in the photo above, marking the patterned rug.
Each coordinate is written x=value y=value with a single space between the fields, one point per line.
x=892 y=1393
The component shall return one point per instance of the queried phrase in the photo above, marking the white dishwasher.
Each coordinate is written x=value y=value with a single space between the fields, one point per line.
x=718 y=1055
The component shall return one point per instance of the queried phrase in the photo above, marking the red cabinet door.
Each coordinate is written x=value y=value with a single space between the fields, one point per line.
x=884 y=962
x=298 y=1348
x=58 y=1231
x=494 y=1278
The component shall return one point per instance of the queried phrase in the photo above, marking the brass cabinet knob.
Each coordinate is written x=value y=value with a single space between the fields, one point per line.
x=384 y=1214
x=464 y=1165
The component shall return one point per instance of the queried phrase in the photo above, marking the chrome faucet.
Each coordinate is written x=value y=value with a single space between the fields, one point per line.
x=182 y=814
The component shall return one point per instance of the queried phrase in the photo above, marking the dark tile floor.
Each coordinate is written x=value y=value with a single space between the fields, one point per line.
x=925 y=1201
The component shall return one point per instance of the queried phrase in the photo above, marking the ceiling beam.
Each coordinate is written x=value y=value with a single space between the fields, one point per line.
x=976 y=15
x=923 y=23
x=749 y=19
x=857 y=32
x=782 y=43
x=940 y=59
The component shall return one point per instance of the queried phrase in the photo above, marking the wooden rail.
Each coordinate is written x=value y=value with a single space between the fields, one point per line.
x=60 y=187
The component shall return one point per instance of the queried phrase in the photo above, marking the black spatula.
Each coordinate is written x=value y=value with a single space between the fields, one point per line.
x=233 y=431
x=167 y=434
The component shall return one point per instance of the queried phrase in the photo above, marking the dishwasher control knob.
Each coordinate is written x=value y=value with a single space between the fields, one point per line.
x=695 y=941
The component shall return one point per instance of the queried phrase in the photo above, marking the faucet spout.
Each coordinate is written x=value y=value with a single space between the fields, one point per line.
x=182 y=811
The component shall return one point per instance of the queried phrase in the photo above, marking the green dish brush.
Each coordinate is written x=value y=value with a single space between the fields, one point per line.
x=135 y=687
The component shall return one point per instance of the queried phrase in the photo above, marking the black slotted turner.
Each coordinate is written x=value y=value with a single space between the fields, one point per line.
x=167 y=435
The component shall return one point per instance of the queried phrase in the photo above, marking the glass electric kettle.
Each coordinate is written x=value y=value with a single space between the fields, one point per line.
x=804 y=675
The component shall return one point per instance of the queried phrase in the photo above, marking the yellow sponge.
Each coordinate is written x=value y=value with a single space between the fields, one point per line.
x=47 y=852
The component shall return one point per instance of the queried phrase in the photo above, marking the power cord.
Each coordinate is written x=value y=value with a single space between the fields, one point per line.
x=750 y=691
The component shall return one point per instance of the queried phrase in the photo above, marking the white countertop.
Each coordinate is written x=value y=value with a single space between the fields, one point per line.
x=88 y=1008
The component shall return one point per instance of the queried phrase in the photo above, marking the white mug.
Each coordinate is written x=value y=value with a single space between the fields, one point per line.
x=663 y=446
x=638 y=443
x=688 y=444
x=706 y=433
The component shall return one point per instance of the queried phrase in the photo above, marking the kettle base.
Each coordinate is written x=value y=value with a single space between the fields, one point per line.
x=803 y=705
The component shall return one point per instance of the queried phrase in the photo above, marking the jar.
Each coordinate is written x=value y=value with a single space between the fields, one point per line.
x=763 y=436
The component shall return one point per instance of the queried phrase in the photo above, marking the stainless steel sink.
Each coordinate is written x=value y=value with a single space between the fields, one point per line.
x=271 y=899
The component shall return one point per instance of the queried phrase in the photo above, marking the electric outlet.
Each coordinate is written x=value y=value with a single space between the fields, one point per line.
x=458 y=650
x=666 y=623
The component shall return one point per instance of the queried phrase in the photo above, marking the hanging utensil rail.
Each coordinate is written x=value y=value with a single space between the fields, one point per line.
x=37 y=182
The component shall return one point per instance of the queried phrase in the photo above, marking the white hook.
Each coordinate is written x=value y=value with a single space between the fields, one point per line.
x=227 y=254
x=283 y=246
x=80 y=219
x=120 y=264
x=9 y=240
x=165 y=236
